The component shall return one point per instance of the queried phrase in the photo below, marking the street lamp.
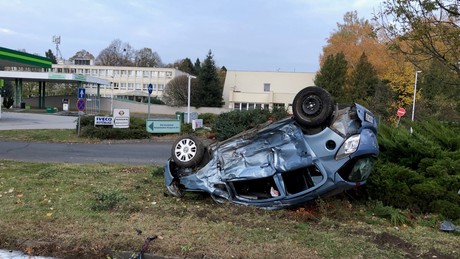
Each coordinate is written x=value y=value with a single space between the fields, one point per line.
x=415 y=92
x=188 y=96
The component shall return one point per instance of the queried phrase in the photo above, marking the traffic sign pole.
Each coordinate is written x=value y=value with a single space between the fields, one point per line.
x=150 y=89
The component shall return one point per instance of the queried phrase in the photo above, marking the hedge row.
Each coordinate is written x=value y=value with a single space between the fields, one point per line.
x=418 y=171
x=136 y=129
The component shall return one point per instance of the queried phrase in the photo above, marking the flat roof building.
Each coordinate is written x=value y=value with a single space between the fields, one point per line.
x=245 y=90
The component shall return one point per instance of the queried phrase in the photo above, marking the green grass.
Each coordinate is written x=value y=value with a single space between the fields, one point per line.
x=80 y=210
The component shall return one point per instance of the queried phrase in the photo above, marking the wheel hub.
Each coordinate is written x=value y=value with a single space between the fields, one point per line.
x=311 y=105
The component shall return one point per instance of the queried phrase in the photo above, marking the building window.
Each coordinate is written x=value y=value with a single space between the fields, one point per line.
x=266 y=87
x=146 y=74
x=124 y=73
x=138 y=73
x=101 y=72
x=237 y=106
x=123 y=86
x=162 y=74
x=138 y=86
x=169 y=74
x=115 y=86
x=251 y=106
x=80 y=71
x=130 y=86
x=154 y=73
x=94 y=72
x=161 y=87
x=87 y=71
x=116 y=73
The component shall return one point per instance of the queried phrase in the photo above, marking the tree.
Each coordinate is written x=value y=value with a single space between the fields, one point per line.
x=49 y=54
x=116 y=54
x=176 y=92
x=7 y=94
x=333 y=76
x=208 y=92
x=352 y=38
x=147 y=58
x=423 y=29
x=197 y=67
x=439 y=89
x=363 y=82
x=185 y=65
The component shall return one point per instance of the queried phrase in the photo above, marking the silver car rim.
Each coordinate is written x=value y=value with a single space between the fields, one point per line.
x=185 y=150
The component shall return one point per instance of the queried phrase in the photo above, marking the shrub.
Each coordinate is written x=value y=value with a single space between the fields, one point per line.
x=209 y=119
x=231 y=123
x=419 y=171
x=136 y=129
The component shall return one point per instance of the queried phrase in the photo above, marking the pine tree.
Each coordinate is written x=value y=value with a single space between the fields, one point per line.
x=363 y=81
x=333 y=76
x=208 y=92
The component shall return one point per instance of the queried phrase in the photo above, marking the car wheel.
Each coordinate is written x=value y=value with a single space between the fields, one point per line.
x=312 y=106
x=187 y=151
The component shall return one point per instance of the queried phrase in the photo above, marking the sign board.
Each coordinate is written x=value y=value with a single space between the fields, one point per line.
x=196 y=124
x=401 y=112
x=193 y=116
x=121 y=118
x=103 y=120
x=163 y=126
x=150 y=88
x=81 y=104
x=81 y=93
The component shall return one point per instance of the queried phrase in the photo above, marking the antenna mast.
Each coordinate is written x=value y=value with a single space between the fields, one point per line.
x=57 y=41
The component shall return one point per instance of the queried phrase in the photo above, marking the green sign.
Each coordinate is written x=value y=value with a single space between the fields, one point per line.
x=163 y=126
x=56 y=76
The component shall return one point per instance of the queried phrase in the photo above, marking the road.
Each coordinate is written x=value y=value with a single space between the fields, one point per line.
x=147 y=153
x=134 y=153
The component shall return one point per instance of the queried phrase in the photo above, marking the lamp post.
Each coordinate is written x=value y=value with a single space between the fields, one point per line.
x=415 y=92
x=188 y=96
x=413 y=101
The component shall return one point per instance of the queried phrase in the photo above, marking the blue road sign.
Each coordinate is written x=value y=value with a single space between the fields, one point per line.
x=81 y=104
x=150 y=88
x=81 y=93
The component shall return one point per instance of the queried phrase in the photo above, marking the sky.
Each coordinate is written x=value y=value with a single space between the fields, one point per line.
x=248 y=35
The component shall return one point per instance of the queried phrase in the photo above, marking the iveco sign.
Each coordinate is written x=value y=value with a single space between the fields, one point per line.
x=102 y=120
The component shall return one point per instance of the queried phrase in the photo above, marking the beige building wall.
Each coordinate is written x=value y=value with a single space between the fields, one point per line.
x=126 y=81
x=249 y=89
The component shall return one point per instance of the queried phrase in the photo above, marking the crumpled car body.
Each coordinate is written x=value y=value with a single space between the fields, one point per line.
x=282 y=164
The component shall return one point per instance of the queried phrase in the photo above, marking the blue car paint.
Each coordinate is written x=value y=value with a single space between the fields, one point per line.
x=275 y=150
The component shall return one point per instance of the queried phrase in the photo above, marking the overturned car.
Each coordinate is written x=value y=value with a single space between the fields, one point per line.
x=320 y=151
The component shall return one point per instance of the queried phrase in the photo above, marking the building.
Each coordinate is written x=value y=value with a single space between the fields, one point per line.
x=245 y=90
x=125 y=82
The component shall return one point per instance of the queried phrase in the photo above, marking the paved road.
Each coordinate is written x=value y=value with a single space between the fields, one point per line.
x=20 y=120
x=124 y=153
x=140 y=153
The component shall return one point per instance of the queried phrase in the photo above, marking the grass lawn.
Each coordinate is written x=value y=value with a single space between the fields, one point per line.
x=91 y=211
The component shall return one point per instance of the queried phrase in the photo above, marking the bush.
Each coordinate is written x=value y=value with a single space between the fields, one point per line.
x=231 y=123
x=107 y=199
x=419 y=171
x=136 y=129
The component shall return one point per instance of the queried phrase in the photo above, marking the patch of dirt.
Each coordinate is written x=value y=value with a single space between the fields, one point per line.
x=132 y=170
x=388 y=241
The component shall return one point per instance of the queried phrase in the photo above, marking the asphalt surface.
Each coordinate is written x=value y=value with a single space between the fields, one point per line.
x=120 y=152
x=21 y=120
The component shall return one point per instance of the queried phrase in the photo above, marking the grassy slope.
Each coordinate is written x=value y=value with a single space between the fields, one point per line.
x=59 y=209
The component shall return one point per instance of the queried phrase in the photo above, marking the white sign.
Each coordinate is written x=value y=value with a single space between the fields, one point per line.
x=101 y=120
x=121 y=118
x=196 y=124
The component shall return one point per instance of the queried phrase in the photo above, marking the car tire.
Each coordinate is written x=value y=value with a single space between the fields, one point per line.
x=312 y=106
x=187 y=151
